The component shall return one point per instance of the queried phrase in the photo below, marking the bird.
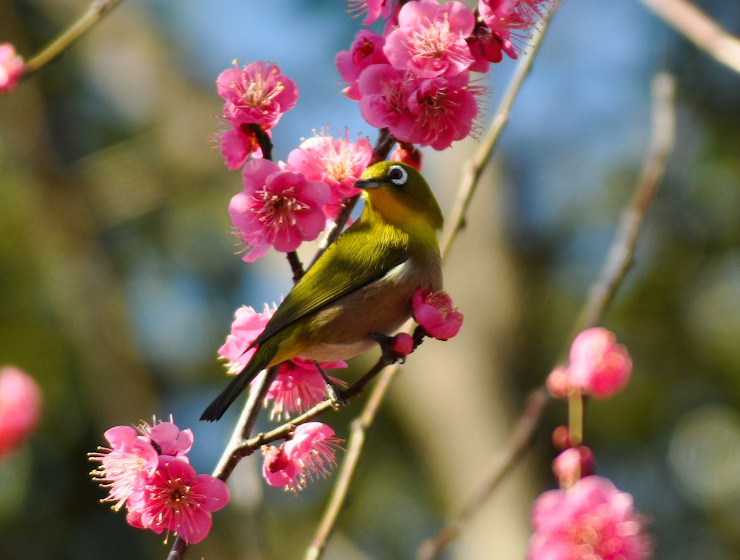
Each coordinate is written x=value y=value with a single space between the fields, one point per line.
x=360 y=290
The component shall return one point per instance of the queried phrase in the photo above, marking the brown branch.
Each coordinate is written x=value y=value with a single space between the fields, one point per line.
x=94 y=13
x=700 y=29
x=615 y=267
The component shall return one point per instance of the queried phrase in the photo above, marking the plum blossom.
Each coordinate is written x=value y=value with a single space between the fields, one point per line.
x=309 y=454
x=435 y=314
x=298 y=386
x=237 y=144
x=591 y=519
x=337 y=163
x=256 y=94
x=248 y=324
x=572 y=464
x=125 y=466
x=384 y=93
x=442 y=111
x=167 y=438
x=20 y=408
x=11 y=67
x=178 y=500
x=373 y=9
x=510 y=20
x=366 y=50
x=430 y=39
x=276 y=208
x=598 y=365
x=401 y=345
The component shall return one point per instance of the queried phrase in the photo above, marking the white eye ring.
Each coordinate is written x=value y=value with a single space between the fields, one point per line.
x=398 y=175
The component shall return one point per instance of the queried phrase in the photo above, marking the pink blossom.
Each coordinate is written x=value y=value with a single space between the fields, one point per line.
x=558 y=383
x=401 y=345
x=125 y=466
x=442 y=111
x=277 y=208
x=337 y=163
x=430 y=39
x=248 y=324
x=298 y=386
x=167 y=438
x=435 y=314
x=573 y=464
x=366 y=49
x=179 y=500
x=20 y=408
x=384 y=93
x=237 y=144
x=256 y=94
x=309 y=454
x=373 y=9
x=598 y=365
x=485 y=48
x=510 y=20
x=590 y=520
x=11 y=67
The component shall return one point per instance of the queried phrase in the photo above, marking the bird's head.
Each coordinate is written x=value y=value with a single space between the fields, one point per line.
x=400 y=196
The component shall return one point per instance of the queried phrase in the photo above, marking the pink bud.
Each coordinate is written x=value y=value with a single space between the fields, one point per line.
x=561 y=437
x=598 y=365
x=572 y=464
x=11 y=67
x=20 y=407
x=401 y=345
x=558 y=383
x=408 y=154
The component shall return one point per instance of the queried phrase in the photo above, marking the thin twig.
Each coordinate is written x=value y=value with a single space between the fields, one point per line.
x=295 y=265
x=616 y=265
x=467 y=187
x=94 y=13
x=700 y=29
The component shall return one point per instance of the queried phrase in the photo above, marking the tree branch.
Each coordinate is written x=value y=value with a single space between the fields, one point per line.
x=700 y=29
x=616 y=265
x=94 y=13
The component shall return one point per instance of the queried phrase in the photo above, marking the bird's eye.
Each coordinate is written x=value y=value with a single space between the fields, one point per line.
x=397 y=175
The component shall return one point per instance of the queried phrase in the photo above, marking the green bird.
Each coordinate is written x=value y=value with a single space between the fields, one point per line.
x=361 y=288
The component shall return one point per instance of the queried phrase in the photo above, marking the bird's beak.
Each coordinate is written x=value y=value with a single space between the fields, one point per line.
x=368 y=184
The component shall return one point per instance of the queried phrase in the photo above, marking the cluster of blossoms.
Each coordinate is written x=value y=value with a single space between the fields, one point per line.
x=599 y=367
x=146 y=469
x=414 y=78
x=11 y=67
x=20 y=407
x=588 y=517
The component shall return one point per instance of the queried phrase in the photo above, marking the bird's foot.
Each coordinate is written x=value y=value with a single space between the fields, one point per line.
x=335 y=393
x=384 y=341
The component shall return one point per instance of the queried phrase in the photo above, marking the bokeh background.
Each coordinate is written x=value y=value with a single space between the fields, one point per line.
x=118 y=279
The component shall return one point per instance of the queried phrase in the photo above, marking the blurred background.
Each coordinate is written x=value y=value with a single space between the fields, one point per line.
x=119 y=279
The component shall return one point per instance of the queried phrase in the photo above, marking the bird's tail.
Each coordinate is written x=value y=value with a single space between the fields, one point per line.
x=260 y=360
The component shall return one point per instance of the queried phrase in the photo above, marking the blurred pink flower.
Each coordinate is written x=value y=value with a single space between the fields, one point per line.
x=125 y=466
x=298 y=386
x=11 y=67
x=598 y=365
x=366 y=49
x=572 y=464
x=435 y=314
x=248 y=324
x=308 y=455
x=337 y=163
x=20 y=408
x=373 y=9
x=430 y=39
x=256 y=94
x=442 y=111
x=277 y=208
x=558 y=383
x=178 y=500
x=590 y=520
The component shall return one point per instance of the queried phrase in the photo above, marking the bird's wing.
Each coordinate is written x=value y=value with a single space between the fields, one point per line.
x=346 y=266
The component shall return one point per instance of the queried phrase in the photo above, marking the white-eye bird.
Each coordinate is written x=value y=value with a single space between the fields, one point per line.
x=360 y=289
